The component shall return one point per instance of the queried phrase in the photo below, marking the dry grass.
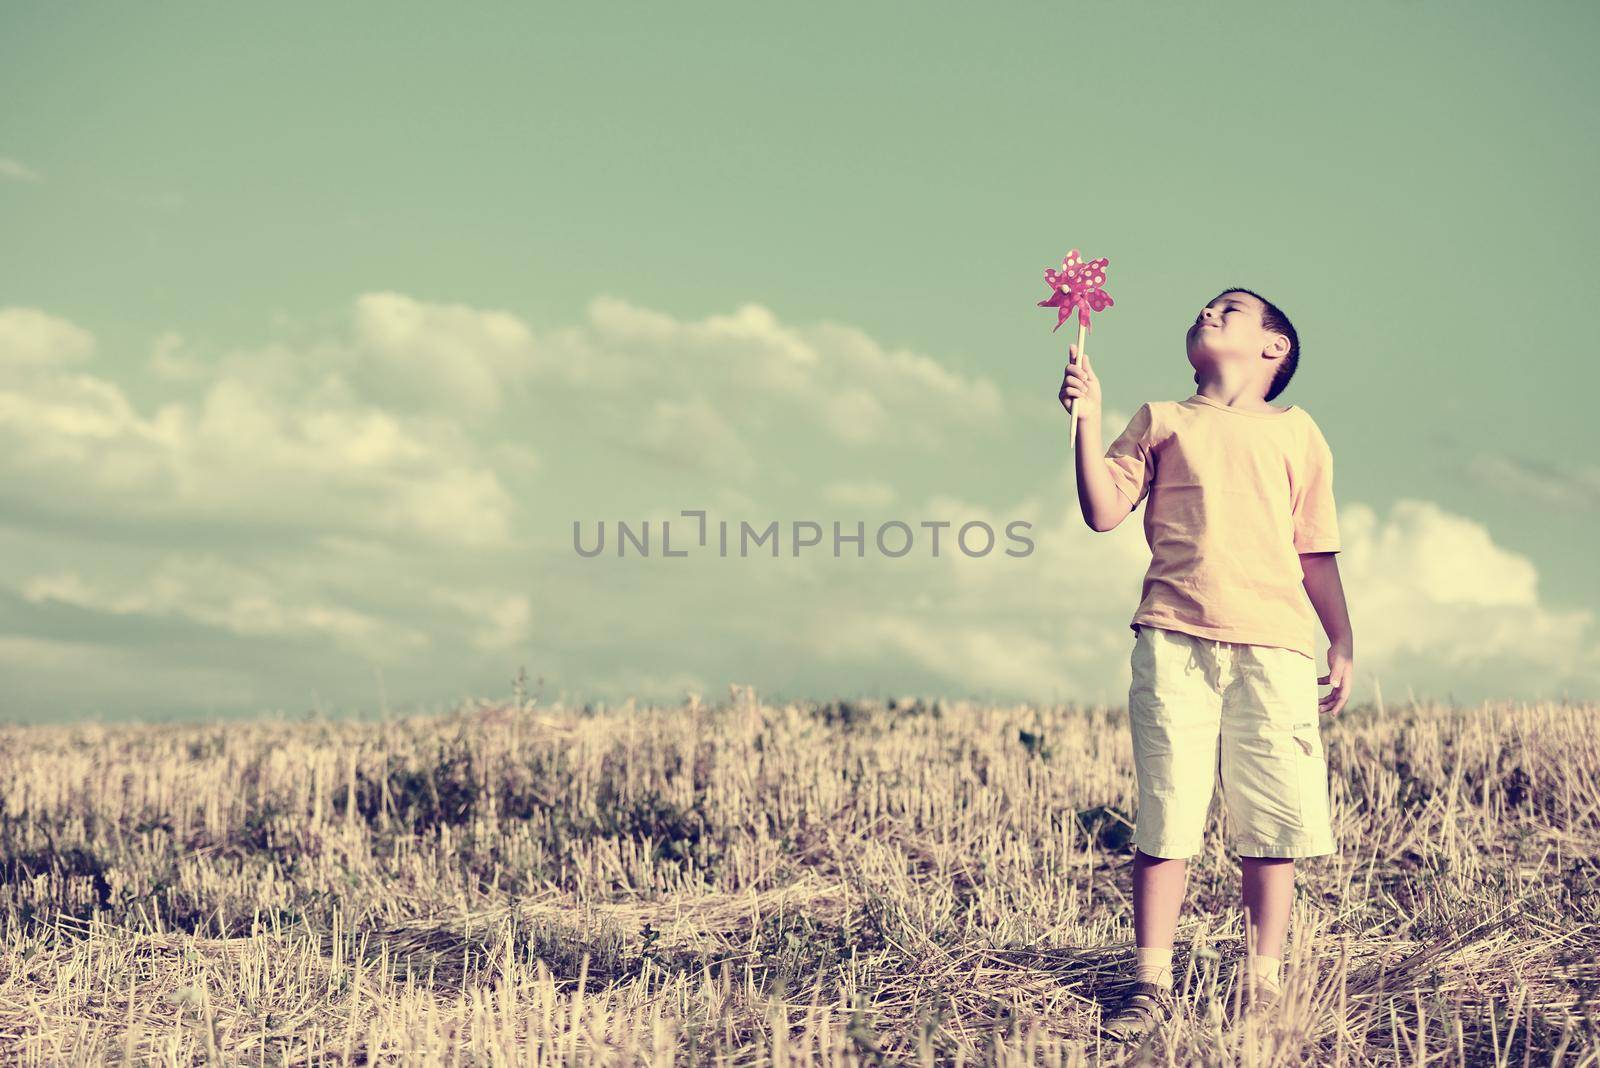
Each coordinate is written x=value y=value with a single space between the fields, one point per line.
x=747 y=884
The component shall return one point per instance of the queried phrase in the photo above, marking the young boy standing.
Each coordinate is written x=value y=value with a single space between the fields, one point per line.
x=1242 y=532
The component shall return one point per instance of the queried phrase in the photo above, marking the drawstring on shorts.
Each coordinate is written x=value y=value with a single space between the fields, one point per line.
x=1222 y=652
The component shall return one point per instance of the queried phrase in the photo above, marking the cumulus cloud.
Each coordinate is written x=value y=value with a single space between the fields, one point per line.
x=31 y=339
x=694 y=432
x=257 y=445
x=1430 y=583
x=453 y=356
x=826 y=376
x=395 y=470
x=171 y=361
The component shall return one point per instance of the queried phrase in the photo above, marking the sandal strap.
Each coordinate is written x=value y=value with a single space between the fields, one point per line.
x=1147 y=999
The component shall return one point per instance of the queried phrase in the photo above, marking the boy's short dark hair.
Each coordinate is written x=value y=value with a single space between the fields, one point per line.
x=1275 y=322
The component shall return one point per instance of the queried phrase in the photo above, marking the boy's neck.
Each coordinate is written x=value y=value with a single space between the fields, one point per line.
x=1245 y=399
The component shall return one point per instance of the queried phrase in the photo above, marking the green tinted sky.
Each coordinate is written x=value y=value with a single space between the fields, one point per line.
x=520 y=238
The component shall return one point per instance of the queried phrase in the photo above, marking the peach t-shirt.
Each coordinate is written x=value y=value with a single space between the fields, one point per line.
x=1235 y=497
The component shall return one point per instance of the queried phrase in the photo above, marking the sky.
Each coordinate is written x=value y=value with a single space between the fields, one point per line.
x=322 y=326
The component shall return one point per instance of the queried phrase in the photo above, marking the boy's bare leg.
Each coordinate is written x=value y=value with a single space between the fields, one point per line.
x=1268 y=891
x=1158 y=885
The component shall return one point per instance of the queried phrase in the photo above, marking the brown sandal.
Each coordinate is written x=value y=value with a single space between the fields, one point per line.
x=1144 y=1008
x=1261 y=999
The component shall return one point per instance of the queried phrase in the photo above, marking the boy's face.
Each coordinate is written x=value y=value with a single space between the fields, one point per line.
x=1229 y=330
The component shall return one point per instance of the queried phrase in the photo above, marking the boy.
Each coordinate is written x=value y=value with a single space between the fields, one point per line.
x=1242 y=533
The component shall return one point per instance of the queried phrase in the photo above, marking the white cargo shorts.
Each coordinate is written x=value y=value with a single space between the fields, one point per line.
x=1203 y=711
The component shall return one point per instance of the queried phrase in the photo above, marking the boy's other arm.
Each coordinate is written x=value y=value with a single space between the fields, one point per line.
x=1103 y=505
x=1320 y=572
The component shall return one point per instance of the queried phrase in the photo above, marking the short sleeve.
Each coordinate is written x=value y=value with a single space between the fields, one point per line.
x=1316 y=523
x=1130 y=460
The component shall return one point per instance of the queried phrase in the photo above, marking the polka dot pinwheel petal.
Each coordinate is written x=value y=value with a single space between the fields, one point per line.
x=1078 y=286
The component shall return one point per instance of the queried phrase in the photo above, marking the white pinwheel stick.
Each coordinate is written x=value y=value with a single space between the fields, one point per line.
x=1072 y=406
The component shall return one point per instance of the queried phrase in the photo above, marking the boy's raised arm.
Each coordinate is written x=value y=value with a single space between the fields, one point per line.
x=1103 y=502
x=1109 y=486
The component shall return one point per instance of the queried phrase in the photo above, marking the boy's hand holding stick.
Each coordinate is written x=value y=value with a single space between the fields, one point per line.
x=1080 y=389
x=1078 y=286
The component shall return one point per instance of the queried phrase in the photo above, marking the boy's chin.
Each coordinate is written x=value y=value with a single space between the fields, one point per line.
x=1202 y=354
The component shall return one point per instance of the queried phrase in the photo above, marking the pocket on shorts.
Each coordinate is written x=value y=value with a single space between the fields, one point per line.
x=1142 y=661
x=1311 y=767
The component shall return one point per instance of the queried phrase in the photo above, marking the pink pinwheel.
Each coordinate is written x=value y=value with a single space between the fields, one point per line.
x=1077 y=287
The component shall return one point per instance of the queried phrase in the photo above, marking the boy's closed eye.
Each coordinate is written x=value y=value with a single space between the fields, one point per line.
x=1228 y=307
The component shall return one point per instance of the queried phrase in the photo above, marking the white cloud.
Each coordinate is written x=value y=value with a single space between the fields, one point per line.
x=694 y=432
x=18 y=172
x=33 y=339
x=376 y=458
x=750 y=343
x=1430 y=583
x=384 y=474
x=722 y=392
x=261 y=443
x=1567 y=485
x=759 y=370
x=448 y=356
x=922 y=383
x=970 y=655
x=503 y=619
x=239 y=600
x=859 y=494
x=66 y=679
x=853 y=415
x=623 y=685
x=169 y=361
